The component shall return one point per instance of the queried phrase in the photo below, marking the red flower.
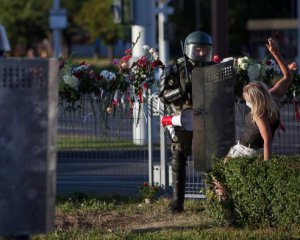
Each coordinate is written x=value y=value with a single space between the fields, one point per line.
x=216 y=59
x=268 y=62
x=82 y=63
x=157 y=63
x=128 y=51
x=146 y=184
x=125 y=58
x=142 y=62
x=77 y=74
x=296 y=109
x=61 y=65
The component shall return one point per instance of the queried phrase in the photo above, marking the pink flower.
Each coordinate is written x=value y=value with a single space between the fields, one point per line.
x=116 y=61
x=142 y=62
x=268 y=63
x=125 y=58
x=216 y=59
x=292 y=66
x=128 y=51
x=157 y=63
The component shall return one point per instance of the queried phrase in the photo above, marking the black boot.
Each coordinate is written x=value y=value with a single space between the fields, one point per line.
x=178 y=174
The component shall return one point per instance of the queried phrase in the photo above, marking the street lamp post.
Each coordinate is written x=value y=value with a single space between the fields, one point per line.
x=57 y=22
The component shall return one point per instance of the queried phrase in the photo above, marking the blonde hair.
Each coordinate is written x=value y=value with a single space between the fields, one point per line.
x=262 y=102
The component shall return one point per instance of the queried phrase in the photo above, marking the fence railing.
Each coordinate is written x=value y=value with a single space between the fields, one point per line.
x=97 y=152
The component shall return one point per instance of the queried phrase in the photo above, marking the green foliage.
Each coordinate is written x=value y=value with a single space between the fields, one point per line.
x=96 y=18
x=25 y=20
x=148 y=191
x=79 y=201
x=258 y=193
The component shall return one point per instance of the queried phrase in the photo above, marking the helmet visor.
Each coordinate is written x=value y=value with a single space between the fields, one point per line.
x=201 y=53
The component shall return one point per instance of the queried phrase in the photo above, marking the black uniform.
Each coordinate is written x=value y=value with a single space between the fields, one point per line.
x=176 y=91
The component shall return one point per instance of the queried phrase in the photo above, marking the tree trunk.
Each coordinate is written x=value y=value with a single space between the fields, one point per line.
x=110 y=52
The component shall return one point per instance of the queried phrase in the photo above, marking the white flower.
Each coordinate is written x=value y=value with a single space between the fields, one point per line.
x=72 y=81
x=152 y=50
x=146 y=48
x=244 y=65
x=254 y=71
x=124 y=65
x=155 y=55
x=243 y=60
x=81 y=68
x=109 y=76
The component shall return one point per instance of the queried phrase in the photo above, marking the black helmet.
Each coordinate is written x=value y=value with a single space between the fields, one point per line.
x=198 y=47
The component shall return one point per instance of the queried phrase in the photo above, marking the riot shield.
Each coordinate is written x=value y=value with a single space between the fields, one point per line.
x=214 y=113
x=28 y=113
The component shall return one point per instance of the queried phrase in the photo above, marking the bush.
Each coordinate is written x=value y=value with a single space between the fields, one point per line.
x=258 y=193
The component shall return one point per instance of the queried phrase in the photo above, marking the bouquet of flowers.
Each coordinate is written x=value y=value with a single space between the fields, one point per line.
x=247 y=70
x=129 y=82
x=140 y=74
x=68 y=85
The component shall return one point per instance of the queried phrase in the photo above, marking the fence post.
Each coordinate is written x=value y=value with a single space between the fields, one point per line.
x=150 y=145
x=163 y=152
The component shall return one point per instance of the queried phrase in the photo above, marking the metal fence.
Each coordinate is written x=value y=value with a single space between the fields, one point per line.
x=100 y=153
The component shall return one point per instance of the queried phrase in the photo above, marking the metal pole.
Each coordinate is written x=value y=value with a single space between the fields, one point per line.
x=219 y=27
x=56 y=33
x=298 y=34
x=163 y=153
x=144 y=26
x=150 y=145
x=162 y=38
x=163 y=42
x=56 y=4
x=164 y=56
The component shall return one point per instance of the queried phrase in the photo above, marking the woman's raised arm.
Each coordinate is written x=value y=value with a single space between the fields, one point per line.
x=281 y=86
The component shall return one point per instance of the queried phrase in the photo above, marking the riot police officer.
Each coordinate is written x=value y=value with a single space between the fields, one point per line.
x=175 y=91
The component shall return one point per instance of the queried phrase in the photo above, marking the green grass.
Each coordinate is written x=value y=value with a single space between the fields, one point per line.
x=79 y=217
x=76 y=142
x=100 y=62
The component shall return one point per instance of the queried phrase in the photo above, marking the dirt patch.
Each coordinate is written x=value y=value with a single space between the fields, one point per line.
x=112 y=221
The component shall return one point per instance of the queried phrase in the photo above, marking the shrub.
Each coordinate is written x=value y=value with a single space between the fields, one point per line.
x=258 y=193
x=147 y=191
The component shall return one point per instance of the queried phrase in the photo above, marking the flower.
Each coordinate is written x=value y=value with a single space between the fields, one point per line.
x=147 y=191
x=248 y=70
x=216 y=59
x=139 y=72
x=72 y=81
x=110 y=88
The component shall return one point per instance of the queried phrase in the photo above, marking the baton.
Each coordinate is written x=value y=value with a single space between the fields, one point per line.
x=187 y=76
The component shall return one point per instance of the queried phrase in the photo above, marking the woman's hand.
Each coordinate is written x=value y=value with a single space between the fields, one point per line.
x=272 y=46
x=281 y=86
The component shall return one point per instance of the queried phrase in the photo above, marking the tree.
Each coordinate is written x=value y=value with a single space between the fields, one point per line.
x=25 y=21
x=96 y=18
x=73 y=30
